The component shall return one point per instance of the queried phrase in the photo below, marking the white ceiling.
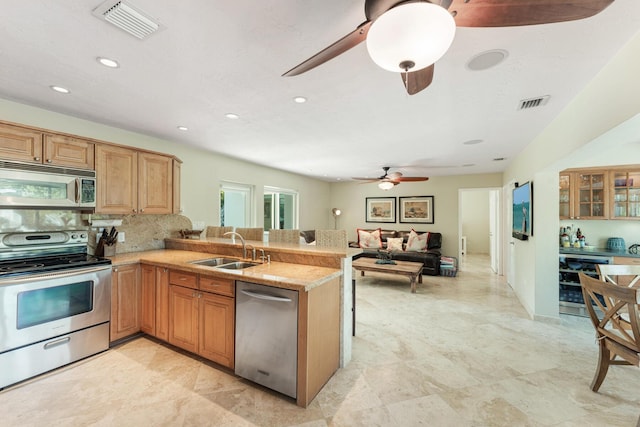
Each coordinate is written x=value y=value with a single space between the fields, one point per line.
x=217 y=57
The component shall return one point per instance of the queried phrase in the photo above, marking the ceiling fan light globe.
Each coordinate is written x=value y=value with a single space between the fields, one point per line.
x=418 y=32
x=386 y=185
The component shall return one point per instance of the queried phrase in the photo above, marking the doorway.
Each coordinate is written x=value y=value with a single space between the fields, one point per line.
x=480 y=225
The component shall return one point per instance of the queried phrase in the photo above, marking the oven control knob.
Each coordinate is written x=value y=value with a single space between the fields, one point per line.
x=74 y=236
x=82 y=236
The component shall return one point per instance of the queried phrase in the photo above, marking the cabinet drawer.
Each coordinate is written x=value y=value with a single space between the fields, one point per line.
x=626 y=260
x=183 y=278
x=217 y=285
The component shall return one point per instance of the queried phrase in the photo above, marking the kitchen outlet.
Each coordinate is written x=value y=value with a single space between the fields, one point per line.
x=121 y=236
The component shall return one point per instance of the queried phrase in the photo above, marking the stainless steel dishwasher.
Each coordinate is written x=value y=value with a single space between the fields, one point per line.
x=267 y=336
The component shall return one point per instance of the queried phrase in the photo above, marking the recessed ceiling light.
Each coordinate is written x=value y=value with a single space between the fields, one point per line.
x=466 y=165
x=473 y=142
x=498 y=159
x=487 y=59
x=300 y=99
x=183 y=128
x=60 y=89
x=108 y=62
x=232 y=116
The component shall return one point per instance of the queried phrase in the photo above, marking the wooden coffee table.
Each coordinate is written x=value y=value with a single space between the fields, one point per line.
x=413 y=270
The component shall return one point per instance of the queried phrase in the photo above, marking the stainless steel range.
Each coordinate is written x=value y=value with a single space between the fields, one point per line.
x=55 y=302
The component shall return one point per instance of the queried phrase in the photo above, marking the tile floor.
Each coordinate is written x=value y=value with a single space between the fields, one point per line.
x=460 y=352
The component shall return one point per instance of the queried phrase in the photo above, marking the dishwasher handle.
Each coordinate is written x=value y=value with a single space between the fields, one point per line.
x=265 y=296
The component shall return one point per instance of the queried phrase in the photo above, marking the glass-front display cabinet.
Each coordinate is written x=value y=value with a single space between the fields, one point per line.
x=626 y=194
x=592 y=195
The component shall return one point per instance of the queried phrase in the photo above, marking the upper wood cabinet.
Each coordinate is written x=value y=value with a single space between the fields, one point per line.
x=34 y=146
x=131 y=181
x=584 y=195
x=625 y=194
x=598 y=193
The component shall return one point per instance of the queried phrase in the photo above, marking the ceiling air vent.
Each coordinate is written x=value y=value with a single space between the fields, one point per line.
x=525 y=104
x=128 y=18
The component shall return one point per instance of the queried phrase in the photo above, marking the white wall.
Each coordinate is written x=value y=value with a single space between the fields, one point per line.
x=350 y=198
x=202 y=171
x=475 y=220
x=585 y=129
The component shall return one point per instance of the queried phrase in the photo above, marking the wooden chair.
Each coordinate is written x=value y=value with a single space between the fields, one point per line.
x=614 y=313
x=621 y=275
x=284 y=236
x=251 y=233
x=331 y=238
x=214 y=231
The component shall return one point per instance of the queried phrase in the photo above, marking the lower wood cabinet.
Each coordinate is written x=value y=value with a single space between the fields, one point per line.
x=125 y=301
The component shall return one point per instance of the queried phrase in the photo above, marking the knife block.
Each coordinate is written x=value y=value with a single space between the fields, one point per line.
x=110 y=250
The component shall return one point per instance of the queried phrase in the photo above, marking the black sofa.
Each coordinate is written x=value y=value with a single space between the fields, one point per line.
x=429 y=258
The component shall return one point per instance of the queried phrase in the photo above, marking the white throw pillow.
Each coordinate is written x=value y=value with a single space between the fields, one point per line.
x=417 y=242
x=369 y=239
x=394 y=243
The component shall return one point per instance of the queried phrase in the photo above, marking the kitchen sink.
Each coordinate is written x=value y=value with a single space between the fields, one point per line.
x=238 y=265
x=214 y=262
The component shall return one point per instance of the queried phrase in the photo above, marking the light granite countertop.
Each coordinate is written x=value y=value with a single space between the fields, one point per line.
x=298 y=277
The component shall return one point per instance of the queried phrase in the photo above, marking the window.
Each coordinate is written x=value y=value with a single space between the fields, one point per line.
x=236 y=204
x=280 y=208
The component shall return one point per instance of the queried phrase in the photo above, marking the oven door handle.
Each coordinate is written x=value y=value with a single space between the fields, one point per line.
x=54 y=275
x=57 y=342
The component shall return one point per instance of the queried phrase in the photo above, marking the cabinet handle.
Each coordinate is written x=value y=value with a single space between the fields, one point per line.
x=165 y=269
x=115 y=269
x=141 y=210
x=37 y=159
x=134 y=210
x=48 y=160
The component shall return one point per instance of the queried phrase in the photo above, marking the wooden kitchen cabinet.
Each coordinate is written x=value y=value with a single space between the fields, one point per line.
x=133 y=182
x=625 y=203
x=202 y=316
x=183 y=318
x=583 y=194
x=148 y=298
x=177 y=166
x=154 y=317
x=125 y=301
x=34 y=146
x=216 y=328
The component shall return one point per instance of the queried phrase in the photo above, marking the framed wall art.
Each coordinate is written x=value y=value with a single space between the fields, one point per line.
x=380 y=209
x=417 y=210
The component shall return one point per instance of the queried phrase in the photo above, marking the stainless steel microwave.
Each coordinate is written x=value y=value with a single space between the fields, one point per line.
x=24 y=185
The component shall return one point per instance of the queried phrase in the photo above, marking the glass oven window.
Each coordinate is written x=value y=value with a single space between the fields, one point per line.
x=45 y=305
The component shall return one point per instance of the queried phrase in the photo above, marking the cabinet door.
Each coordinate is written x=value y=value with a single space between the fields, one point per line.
x=148 y=299
x=591 y=195
x=216 y=338
x=565 y=196
x=67 y=151
x=183 y=318
x=626 y=194
x=162 y=303
x=177 y=166
x=125 y=301
x=155 y=184
x=22 y=144
x=117 y=186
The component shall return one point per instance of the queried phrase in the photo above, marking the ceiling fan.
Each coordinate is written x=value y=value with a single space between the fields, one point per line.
x=409 y=36
x=390 y=180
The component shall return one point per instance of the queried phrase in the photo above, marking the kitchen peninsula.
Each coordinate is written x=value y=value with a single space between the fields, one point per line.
x=172 y=285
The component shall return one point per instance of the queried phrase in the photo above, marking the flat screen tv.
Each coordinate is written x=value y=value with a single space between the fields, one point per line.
x=523 y=211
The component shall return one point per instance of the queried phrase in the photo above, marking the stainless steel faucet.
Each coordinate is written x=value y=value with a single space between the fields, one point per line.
x=253 y=252
x=244 y=246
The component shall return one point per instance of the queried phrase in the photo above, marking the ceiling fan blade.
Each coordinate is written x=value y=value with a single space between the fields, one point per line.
x=344 y=44
x=412 y=179
x=510 y=13
x=415 y=81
